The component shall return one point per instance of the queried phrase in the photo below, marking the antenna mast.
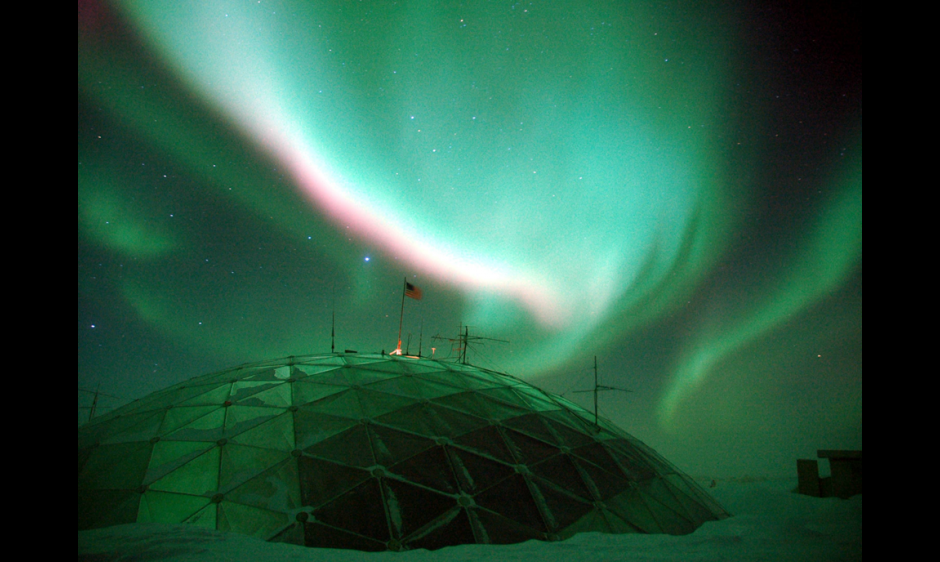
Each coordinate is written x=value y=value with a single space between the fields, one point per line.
x=464 y=344
x=599 y=388
x=94 y=403
x=333 y=325
x=463 y=340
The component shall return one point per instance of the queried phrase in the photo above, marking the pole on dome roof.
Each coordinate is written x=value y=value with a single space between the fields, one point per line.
x=420 y=337
x=463 y=346
x=599 y=388
x=595 y=391
x=401 y=317
x=407 y=290
x=94 y=403
x=333 y=325
x=463 y=341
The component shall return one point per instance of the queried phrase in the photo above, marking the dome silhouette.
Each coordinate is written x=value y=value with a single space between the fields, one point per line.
x=373 y=452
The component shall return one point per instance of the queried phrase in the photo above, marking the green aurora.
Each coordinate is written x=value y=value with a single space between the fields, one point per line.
x=604 y=179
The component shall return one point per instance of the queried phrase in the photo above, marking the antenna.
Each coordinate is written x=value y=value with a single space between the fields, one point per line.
x=463 y=341
x=333 y=326
x=599 y=388
x=464 y=344
x=94 y=403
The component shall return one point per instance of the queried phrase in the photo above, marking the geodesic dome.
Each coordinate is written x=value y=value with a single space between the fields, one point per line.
x=373 y=452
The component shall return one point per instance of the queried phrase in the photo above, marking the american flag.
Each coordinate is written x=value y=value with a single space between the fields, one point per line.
x=412 y=291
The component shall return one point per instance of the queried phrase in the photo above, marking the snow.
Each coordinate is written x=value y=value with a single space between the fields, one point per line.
x=769 y=523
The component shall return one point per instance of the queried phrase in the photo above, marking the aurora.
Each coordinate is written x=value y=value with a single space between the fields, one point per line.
x=576 y=179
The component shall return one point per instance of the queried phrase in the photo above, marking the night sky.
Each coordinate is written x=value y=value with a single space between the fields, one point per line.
x=674 y=187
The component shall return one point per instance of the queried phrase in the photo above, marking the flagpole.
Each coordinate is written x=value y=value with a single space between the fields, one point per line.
x=402 y=315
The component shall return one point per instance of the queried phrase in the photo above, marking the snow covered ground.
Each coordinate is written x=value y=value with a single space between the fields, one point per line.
x=769 y=523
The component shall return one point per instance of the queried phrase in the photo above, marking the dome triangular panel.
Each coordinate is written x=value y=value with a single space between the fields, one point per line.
x=374 y=452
